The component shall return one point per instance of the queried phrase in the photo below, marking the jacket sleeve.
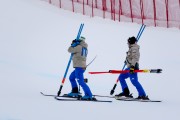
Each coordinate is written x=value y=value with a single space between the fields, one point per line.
x=74 y=49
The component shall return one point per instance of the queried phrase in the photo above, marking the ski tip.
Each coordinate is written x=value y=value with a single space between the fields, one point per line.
x=150 y=101
x=159 y=70
x=156 y=71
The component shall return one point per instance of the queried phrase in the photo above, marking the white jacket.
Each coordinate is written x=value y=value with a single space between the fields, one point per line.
x=133 y=55
x=79 y=54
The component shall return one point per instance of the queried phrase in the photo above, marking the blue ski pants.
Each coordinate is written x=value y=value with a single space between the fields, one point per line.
x=77 y=75
x=134 y=80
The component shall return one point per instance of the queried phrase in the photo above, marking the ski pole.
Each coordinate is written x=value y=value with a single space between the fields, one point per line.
x=138 y=36
x=114 y=87
x=69 y=62
x=91 y=61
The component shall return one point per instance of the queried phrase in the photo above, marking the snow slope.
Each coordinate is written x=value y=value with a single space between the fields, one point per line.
x=34 y=37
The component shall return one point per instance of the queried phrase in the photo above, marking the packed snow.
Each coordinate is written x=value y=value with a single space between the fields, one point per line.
x=34 y=38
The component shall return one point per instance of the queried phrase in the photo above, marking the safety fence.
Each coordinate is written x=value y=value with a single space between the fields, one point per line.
x=162 y=13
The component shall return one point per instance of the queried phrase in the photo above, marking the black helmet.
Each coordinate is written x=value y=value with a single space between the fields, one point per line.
x=132 y=40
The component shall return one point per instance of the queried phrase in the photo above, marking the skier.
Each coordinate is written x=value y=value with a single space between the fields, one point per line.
x=132 y=62
x=79 y=50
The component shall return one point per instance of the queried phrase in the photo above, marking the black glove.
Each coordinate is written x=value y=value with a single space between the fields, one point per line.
x=132 y=69
x=73 y=41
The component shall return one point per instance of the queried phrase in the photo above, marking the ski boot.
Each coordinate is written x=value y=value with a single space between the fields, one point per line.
x=142 y=98
x=87 y=97
x=124 y=95
x=74 y=93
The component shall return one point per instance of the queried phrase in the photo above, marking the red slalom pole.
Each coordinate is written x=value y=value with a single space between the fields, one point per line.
x=128 y=71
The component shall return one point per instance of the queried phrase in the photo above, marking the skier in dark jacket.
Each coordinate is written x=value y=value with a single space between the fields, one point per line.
x=132 y=62
x=79 y=50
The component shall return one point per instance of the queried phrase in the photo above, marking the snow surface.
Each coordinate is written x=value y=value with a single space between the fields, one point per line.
x=34 y=38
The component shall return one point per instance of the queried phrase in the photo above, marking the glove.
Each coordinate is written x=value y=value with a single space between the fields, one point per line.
x=75 y=43
x=132 y=69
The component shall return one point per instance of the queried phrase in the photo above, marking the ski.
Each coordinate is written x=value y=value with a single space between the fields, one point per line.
x=47 y=94
x=78 y=99
x=127 y=71
x=104 y=96
x=67 y=98
x=51 y=95
x=138 y=100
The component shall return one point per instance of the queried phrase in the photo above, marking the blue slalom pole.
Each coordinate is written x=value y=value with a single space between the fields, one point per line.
x=140 y=32
x=69 y=62
x=79 y=32
x=138 y=36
